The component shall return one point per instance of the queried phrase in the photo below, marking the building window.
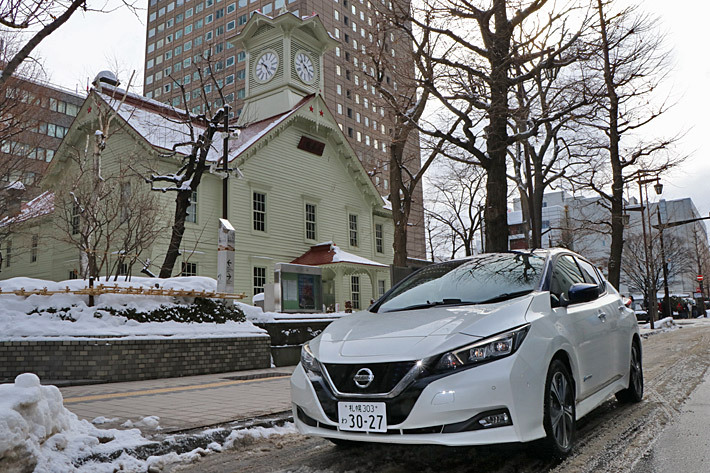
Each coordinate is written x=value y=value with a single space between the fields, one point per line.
x=380 y=287
x=259 y=279
x=379 y=239
x=34 y=248
x=310 y=222
x=355 y=291
x=352 y=225
x=75 y=218
x=188 y=269
x=192 y=209
x=73 y=274
x=122 y=269
x=259 y=206
x=8 y=253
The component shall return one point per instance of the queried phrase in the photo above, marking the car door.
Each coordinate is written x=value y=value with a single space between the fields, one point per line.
x=612 y=308
x=583 y=325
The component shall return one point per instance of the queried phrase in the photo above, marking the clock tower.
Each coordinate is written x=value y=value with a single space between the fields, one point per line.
x=284 y=62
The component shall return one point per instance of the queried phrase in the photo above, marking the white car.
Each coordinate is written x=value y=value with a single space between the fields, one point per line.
x=501 y=347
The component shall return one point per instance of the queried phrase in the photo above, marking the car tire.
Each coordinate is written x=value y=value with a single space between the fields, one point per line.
x=634 y=393
x=559 y=411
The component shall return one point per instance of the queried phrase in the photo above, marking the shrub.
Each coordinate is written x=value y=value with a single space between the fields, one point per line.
x=201 y=310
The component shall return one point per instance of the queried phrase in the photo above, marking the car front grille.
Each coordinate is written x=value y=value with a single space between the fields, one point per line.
x=386 y=376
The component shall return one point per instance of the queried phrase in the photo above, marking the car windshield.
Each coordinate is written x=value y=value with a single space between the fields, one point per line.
x=484 y=279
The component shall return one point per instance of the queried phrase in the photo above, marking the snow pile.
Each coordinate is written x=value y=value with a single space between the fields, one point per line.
x=36 y=431
x=62 y=316
x=665 y=323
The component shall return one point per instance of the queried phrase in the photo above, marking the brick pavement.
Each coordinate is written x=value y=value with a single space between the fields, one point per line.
x=186 y=402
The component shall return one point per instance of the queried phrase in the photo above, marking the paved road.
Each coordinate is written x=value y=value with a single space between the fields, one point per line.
x=185 y=403
x=613 y=438
x=685 y=444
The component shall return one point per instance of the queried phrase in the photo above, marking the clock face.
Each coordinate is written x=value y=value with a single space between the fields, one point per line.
x=266 y=66
x=304 y=67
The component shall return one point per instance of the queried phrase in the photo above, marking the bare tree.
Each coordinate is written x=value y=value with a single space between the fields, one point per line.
x=104 y=213
x=456 y=204
x=627 y=61
x=24 y=143
x=39 y=18
x=192 y=153
x=473 y=75
x=555 y=152
x=405 y=101
x=634 y=264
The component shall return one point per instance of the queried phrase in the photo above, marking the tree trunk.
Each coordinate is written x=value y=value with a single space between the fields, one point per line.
x=617 y=185
x=496 y=214
x=182 y=202
x=400 y=203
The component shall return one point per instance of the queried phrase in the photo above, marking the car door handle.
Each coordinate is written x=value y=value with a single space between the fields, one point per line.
x=602 y=316
x=621 y=308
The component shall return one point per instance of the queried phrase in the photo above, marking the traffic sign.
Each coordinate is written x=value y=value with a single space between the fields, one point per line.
x=700 y=277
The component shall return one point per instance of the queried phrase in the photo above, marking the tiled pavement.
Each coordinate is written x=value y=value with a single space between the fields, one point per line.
x=185 y=403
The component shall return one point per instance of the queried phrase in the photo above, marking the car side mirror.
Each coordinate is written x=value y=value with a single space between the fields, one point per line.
x=582 y=292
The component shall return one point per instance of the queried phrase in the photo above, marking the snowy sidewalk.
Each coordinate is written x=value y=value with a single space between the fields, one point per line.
x=184 y=403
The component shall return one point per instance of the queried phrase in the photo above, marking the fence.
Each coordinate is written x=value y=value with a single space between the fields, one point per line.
x=130 y=290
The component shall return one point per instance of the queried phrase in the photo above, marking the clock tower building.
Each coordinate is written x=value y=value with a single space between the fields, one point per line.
x=284 y=63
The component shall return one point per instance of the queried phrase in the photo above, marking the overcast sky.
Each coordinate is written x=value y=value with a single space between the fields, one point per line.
x=91 y=42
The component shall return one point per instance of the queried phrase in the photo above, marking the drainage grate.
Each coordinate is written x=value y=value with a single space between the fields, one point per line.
x=244 y=377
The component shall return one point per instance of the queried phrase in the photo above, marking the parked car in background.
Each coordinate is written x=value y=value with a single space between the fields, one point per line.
x=640 y=312
x=496 y=348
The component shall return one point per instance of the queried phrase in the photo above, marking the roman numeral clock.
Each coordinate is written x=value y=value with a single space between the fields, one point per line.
x=285 y=62
x=304 y=67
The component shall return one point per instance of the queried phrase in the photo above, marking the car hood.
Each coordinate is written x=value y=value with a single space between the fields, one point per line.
x=415 y=334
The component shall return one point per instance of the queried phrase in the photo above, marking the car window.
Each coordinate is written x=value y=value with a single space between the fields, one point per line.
x=590 y=274
x=483 y=279
x=565 y=273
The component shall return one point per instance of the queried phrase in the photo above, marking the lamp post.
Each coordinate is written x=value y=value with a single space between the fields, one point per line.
x=650 y=266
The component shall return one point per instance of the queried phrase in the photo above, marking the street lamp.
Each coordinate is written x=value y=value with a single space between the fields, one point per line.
x=643 y=180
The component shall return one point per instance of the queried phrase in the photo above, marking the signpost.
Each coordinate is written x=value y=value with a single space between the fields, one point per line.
x=225 y=257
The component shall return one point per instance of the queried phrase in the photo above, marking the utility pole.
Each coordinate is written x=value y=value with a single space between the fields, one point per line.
x=225 y=162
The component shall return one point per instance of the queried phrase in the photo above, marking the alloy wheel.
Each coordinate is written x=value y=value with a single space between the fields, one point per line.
x=561 y=410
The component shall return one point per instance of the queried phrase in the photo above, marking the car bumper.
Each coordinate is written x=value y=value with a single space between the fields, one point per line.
x=508 y=384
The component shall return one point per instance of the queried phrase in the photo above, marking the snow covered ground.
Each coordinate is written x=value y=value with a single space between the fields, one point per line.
x=35 y=317
x=38 y=432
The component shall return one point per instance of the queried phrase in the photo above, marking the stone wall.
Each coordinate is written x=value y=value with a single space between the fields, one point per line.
x=110 y=360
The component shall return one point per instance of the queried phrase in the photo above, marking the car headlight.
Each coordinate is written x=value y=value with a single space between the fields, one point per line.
x=483 y=351
x=309 y=361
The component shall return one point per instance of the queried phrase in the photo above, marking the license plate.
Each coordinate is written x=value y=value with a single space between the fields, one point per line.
x=362 y=416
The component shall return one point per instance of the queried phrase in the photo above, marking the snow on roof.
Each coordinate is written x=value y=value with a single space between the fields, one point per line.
x=387 y=204
x=164 y=126
x=41 y=205
x=17 y=185
x=329 y=253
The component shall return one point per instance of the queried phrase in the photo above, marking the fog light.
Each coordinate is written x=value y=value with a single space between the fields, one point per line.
x=495 y=420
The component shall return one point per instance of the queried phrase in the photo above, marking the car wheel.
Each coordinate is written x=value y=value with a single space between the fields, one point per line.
x=559 y=411
x=634 y=393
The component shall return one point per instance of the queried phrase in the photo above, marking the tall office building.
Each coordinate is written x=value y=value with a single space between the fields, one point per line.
x=185 y=37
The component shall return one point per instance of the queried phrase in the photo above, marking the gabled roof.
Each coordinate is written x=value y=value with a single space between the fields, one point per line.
x=41 y=205
x=164 y=127
x=329 y=253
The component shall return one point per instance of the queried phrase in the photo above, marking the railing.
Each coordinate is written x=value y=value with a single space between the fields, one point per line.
x=130 y=290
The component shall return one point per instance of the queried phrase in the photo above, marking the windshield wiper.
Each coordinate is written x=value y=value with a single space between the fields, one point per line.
x=505 y=296
x=431 y=304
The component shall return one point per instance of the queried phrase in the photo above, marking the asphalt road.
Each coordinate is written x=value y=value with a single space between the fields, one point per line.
x=613 y=438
